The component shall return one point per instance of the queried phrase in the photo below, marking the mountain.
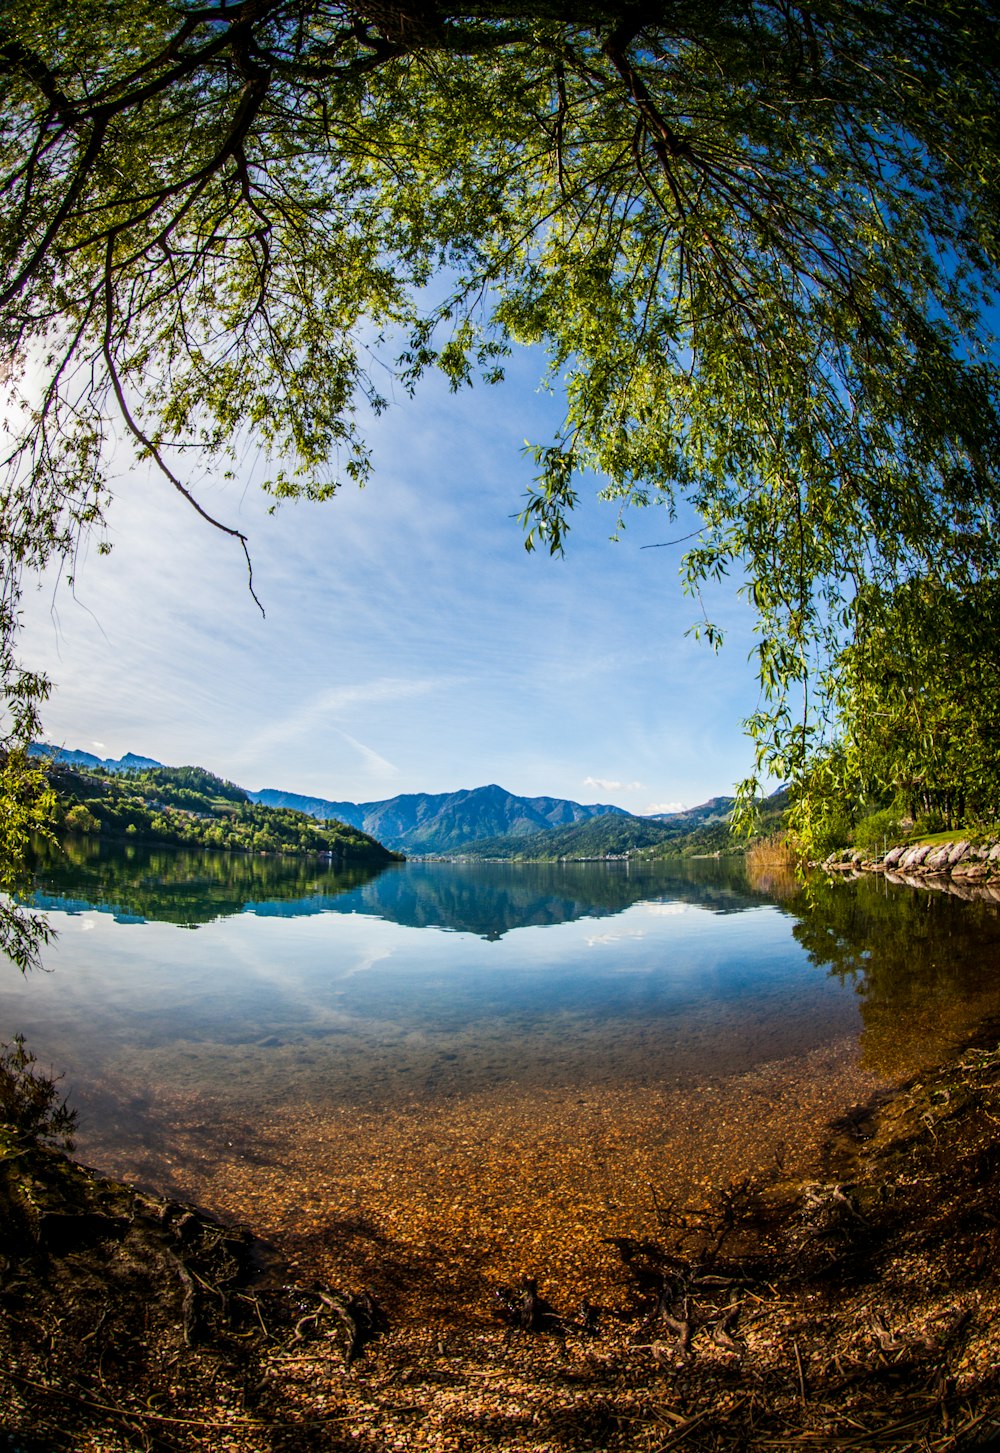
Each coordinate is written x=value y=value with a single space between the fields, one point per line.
x=716 y=809
x=610 y=836
x=63 y=757
x=352 y=813
x=694 y=832
x=189 y=807
x=479 y=821
x=444 y=822
x=704 y=828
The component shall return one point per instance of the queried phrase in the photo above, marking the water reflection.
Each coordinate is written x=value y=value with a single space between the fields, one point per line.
x=138 y=883
x=444 y=1035
x=924 y=964
x=631 y=970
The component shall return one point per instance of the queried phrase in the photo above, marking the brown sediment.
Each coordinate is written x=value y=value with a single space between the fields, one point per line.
x=853 y=1308
x=482 y=1187
x=572 y=1246
x=843 y=1293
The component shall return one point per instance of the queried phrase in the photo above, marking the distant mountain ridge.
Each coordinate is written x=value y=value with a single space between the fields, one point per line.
x=71 y=758
x=444 y=822
x=489 y=821
x=704 y=828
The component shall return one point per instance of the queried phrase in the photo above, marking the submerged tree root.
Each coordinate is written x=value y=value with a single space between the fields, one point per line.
x=858 y=1311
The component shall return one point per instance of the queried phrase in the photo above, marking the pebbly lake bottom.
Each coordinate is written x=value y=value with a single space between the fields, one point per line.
x=446 y=1077
x=451 y=1197
x=858 y=1311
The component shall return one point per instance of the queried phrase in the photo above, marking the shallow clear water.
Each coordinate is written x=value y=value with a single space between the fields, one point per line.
x=428 y=950
x=215 y=1013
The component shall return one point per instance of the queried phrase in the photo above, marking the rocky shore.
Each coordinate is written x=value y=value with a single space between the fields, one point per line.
x=958 y=865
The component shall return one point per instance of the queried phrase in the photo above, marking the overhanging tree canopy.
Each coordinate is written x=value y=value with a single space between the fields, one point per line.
x=759 y=243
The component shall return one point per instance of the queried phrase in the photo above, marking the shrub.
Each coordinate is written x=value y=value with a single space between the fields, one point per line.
x=878 y=829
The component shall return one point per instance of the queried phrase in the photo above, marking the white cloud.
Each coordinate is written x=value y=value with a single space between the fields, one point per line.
x=664 y=807
x=395 y=614
x=596 y=939
x=606 y=785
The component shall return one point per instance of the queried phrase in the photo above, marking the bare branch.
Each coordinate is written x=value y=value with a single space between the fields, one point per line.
x=149 y=447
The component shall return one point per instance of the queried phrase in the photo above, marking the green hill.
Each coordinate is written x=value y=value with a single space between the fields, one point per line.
x=695 y=832
x=191 y=807
x=601 y=837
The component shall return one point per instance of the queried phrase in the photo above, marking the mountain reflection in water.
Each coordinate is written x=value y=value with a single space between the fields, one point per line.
x=139 y=883
x=920 y=968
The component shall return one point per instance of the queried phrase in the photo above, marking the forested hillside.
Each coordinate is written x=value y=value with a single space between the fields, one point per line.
x=694 y=832
x=601 y=837
x=187 y=805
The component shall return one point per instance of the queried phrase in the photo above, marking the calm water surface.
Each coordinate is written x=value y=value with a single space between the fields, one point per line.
x=206 y=1009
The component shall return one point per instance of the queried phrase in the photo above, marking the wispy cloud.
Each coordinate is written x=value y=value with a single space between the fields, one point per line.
x=664 y=807
x=372 y=761
x=323 y=710
x=409 y=638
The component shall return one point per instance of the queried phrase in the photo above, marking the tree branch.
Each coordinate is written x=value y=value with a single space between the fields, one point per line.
x=142 y=438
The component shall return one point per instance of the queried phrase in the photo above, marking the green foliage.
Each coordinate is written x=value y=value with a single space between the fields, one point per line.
x=758 y=245
x=609 y=836
x=79 y=819
x=917 y=694
x=879 y=830
x=29 y=1100
x=187 y=805
x=188 y=786
x=26 y=807
x=696 y=842
x=919 y=698
x=698 y=832
x=824 y=801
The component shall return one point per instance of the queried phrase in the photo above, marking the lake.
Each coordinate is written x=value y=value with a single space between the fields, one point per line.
x=490 y=1066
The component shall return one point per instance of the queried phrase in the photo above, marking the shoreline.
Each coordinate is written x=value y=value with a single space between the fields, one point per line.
x=827 y=1309
x=952 y=864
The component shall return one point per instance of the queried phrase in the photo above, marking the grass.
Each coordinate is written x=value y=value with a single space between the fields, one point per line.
x=978 y=834
x=774 y=852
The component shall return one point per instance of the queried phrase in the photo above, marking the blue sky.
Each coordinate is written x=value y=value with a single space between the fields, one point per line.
x=410 y=644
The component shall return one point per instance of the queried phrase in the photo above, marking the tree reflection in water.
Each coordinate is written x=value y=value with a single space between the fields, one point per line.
x=924 y=963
